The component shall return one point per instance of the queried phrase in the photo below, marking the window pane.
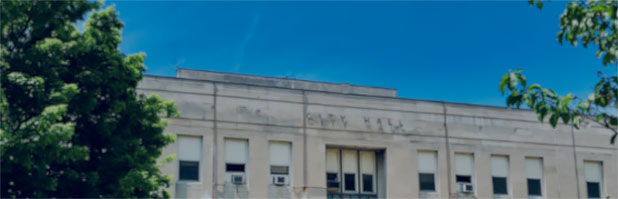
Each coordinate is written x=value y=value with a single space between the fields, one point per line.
x=282 y=170
x=235 y=167
x=280 y=153
x=236 y=151
x=189 y=170
x=367 y=183
x=189 y=148
x=331 y=176
x=350 y=182
x=332 y=181
x=593 y=189
x=464 y=179
x=499 y=185
x=427 y=162
x=534 y=187
x=426 y=181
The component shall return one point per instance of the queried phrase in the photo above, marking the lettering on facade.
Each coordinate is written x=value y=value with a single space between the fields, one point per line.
x=250 y=111
x=382 y=124
x=327 y=120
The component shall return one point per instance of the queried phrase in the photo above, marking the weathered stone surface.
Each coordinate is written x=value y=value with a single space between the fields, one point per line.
x=314 y=116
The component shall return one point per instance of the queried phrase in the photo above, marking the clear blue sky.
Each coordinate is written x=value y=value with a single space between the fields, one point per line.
x=452 y=51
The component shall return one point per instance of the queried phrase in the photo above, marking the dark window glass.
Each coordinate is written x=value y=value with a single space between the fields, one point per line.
x=350 y=182
x=367 y=183
x=332 y=181
x=534 y=187
x=427 y=181
x=593 y=189
x=282 y=170
x=499 y=185
x=331 y=176
x=235 y=167
x=465 y=179
x=189 y=170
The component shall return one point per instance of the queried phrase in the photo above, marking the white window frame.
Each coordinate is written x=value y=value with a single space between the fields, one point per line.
x=199 y=162
x=601 y=173
x=472 y=166
x=507 y=176
x=436 y=186
x=289 y=160
x=541 y=179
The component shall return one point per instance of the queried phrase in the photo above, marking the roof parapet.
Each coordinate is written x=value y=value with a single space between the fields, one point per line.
x=343 y=88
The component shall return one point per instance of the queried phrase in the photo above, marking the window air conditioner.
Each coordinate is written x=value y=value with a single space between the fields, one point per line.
x=466 y=188
x=280 y=180
x=332 y=184
x=238 y=179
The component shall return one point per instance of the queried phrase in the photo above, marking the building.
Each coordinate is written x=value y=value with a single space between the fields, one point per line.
x=242 y=136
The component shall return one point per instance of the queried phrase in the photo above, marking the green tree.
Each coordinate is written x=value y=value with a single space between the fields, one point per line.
x=585 y=22
x=71 y=121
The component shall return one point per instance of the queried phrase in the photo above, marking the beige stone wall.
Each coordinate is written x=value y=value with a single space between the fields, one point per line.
x=312 y=120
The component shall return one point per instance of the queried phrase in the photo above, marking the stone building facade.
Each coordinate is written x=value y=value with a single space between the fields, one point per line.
x=243 y=136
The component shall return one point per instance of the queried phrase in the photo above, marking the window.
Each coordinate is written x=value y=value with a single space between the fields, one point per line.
x=427 y=166
x=350 y=168
x=594 y=178
x=368 y=170
x=500 y=173
x=534 y=175
x=189 y=170
x=499 y=185
x=350 y=180
x=350 y=173
x=426 y=181
x=367 y=183
x=236 y=155
x=235 y=167
x=189 y=157
x=332 y=170
x=464 y=166
x=280 y=156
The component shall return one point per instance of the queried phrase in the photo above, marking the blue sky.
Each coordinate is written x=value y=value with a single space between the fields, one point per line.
x=453 y=51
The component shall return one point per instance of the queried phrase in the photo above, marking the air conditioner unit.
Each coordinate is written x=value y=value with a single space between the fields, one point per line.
x=332 y=184
x=280 y=180
x=238 y=179
x=466 y=188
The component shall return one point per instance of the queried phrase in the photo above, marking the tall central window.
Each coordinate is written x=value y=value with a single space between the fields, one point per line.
x=351 y=173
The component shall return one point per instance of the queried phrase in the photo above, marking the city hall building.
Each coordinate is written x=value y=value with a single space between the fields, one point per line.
x=243 y=136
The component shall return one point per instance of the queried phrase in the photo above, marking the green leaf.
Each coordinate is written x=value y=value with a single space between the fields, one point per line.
x=512 y=80
x=522 y=79
x=503 y=82
x=565 y=117
x=542 y=112
x=550 y=93
x=553 y=120
x=600 y=117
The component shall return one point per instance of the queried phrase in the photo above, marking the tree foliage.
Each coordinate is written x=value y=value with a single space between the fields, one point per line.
x=71 y=121
x=585 y=22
